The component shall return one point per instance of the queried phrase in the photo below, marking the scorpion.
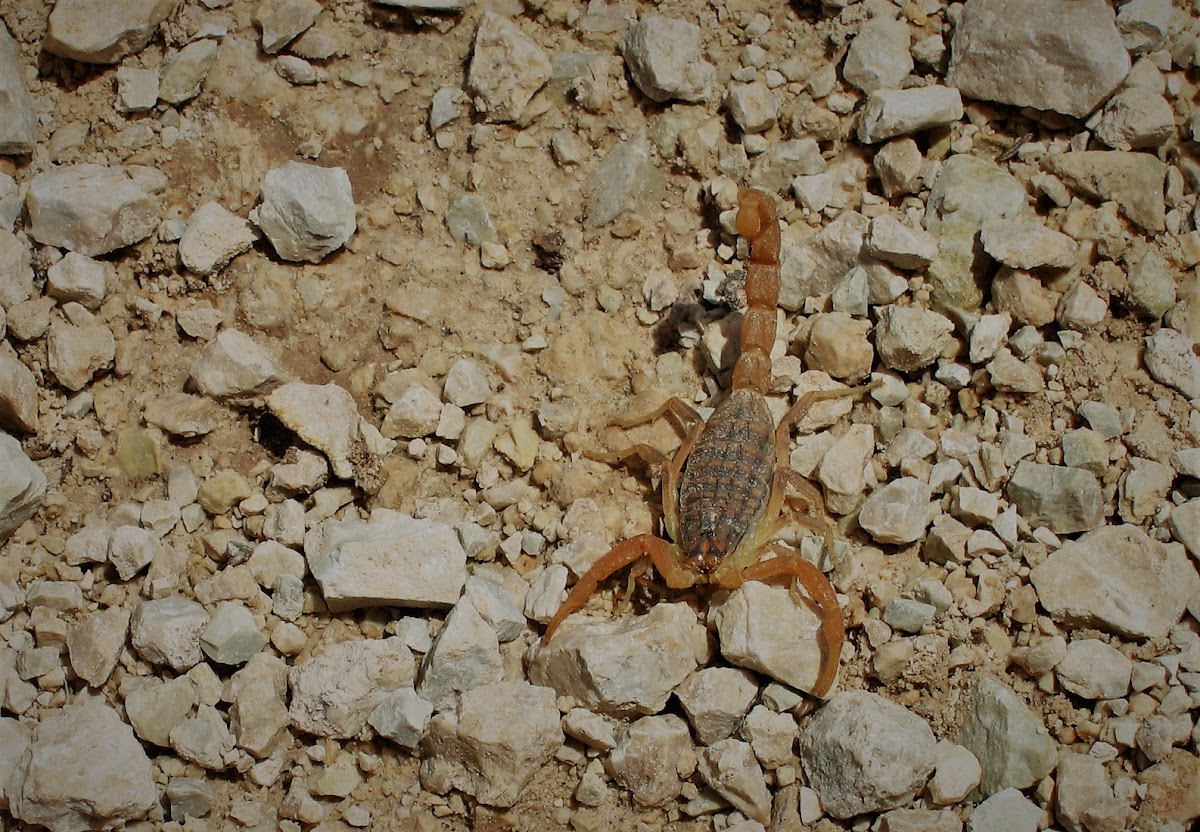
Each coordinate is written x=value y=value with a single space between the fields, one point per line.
x=723 y=491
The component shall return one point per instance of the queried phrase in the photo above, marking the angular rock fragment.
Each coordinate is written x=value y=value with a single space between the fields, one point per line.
x=1119 y=580
x=184 y=71
x=18 y=121
x=715 y=700
x=894 y=112
x=78 y=349
x=326 y=417
x=22 y=486
x=1007 y=738
x=93 y=209
x=203 y=739
x=234 y=367
x=1133 y=180
x=94 y=644
x=730 y=769
x=1025 y=243
x=167 y=631
x=909 y=338
x=393 y=560
x=335 y=691
x=84 y=770
x=665 y=59
x=492 y=759
x=99 y=32
x=18 y=396
x=1171 y=358
x=231 y=637
x=214 y=237
x=79 y=278
x=307 y=211
x=1065 y=500
x=1060 y=55
x=637 y=763
x=622 y=666
x=155 y=708
x=258 y=716
x=879 y=55
x=507 y=68
x=898 y=512
x=863 y=753
x=465 y=655
x=282 y=21
x=1092 y=669
x=402 y=717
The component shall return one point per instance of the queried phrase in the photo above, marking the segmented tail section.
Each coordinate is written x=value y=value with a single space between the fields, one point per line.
x=758 y=222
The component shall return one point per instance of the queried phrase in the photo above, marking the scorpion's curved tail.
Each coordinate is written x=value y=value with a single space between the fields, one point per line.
x=758 y=222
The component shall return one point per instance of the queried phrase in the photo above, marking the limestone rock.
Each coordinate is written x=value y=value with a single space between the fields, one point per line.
x=18 y=396
x=465 y=655
x=235 y=367
x=214 y=236
x=79 y=278
x=1060 y=55
x=1007 y=738
x=94 y=644
x=1118 y=580
x=335 y=691
x=203 y=739
x=83 y=770
x=1133 y=180
x=493 y=744
x=622 y=666
x=14 y=742
x=879 y=57
x=231 y=637
x=155 y=708
x=901 y=112
x=1065 y=500
x=326 y=417
x=909 y=338
x=93 y=209
x=1134 y=119
x=730 y=769
x=22 y=486
x=97 y=32
x=863 y=753
x=1170 y=357
x=258 y=715
x=183 y=72
x=1025 y=243
x=18 y=121
x=665 y=59
x=282 y=21
x=307 y=211
x=167 y=631
x=393 y=560
x=637 y=763
x=898 y=512
x=16 y=276
x=715 y=700
x=402 y=717
x=507 y=68
x=79 y=349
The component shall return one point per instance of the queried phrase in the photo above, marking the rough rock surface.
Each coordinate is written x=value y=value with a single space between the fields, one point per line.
x=336 y=690
x=96 y=32
x=506 y=70
x=94 y=209
x=22 y=486
x=863 y=753
x=307 y=211
x=1008 y=739
x=18 y=133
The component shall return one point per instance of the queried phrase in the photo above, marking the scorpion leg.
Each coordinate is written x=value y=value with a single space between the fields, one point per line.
x=665 y=557
x=833 y=628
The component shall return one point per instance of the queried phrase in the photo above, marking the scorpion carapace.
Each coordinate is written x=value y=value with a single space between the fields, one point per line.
x=723 y=491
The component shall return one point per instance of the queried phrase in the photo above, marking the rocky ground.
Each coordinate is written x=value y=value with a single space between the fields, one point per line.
x=315 y=318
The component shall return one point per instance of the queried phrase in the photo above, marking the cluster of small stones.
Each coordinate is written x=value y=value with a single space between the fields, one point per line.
x=990 y=209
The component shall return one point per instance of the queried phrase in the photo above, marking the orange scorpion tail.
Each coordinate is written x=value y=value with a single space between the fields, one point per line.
x=758 y=222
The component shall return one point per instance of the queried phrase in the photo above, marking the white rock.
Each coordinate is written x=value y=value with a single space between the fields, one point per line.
x=762 y=628
x=730 y=769
x=894 y=242
x=335 y=691
x=77 y=351
x=1006 y=811
x=987 y=335
x=137 y=89
x=863 y=753
x=326 y=417
x=22 y=486
x=715 y=700
x=18 y=121
x=282 y=21
x=496 y=607
x=591 y=729
x=93 y=209
x=167 y=631
x=1145 y=26
x=624 y=665
x=1000 y=52
x=898 y=512
x=637 y=763
x=1133 y=180
x=1083 y=798
x=665 y=59
x=234 y=367
x=83 y=770
x=956 y=774
x=507 y=68
x=492 y=759
x=1093 y=669
x=1007 y=738
x=1171 y=359
x=258 y=714
x=203 y=739
x=307 y=212
x=898 y=165
x=79 y=278
x=1134 y=119
x=393 y=560
x=894 y=112
x=96 y=32
x=909 y=338
x=154 y=708
x=16 y=271
x=231 y=637
x=464 y=656
x=18 y=396
x=1119 y=580
x=416 y=413
x=10 y=205
x=214 y=236
x=402 y=717
x=879 y=57
x=184 y=71
x=1024 y=243
x=770 y=734
x=131 y=549
x=94 y=643
x=753 y=106
x=14 y=742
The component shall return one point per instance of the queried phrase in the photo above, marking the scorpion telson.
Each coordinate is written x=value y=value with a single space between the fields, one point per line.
x=723 y=491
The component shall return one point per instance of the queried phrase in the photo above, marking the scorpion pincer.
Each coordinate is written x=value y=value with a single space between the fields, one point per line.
x=724 y=489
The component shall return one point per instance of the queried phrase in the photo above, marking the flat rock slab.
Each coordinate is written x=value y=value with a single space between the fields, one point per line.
x=94 y=209
x=863 y=753
x=622 y=666
x=1119 y=580
x=493 y=744
x=1059 y=55
x=102 y=32
x=84 y=770
x=393 y=560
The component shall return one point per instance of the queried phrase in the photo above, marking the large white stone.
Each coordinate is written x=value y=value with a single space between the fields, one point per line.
x=335 y=691
x=94 y=209
x=307 y=211
x=102 y=32
x=22 y=486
